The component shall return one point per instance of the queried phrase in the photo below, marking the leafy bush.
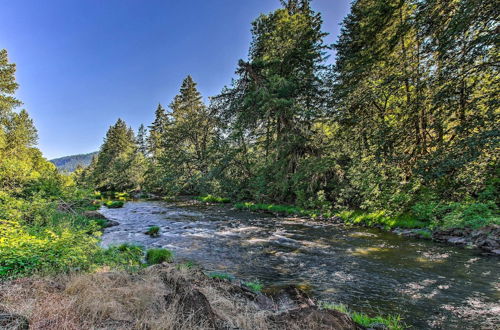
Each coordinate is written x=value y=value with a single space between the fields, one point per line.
x=255 y=286
x=213 y=199
x=157 y=256
x=114 y=204
x=458 y=215
x=25 y=250
x=153 y=231
x=391 y=322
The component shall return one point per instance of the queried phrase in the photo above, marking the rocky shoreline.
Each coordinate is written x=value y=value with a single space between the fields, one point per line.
x=486 y=239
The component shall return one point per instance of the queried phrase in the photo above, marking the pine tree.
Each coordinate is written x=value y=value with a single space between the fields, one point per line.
x=278 y=94
x=157 y=131
x=142 y=140
x=187 y=140
x=114 y=169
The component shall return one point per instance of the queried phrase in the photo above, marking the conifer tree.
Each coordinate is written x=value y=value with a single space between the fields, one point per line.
x=142 y=140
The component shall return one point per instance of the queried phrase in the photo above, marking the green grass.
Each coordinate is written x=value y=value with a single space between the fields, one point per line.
x=275 y=208
x=212 y=199
x=153 y=231
x=114 y=204
x=221 y=276
x=255 y=286
x=157 y=256
x=380 y=218
x=393 y=322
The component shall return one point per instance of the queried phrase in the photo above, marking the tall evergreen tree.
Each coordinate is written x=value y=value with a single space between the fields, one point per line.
x=114 y=169
x=157 y=131
x=278 y=94
x=142 y=140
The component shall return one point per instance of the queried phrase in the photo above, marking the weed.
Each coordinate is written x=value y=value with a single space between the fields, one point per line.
x=255 y=286
x=153 y=231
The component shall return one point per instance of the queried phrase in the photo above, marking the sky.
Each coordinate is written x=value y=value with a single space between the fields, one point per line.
x=82 y=64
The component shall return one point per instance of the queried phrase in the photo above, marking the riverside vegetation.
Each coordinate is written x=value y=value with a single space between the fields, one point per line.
x=401 y=131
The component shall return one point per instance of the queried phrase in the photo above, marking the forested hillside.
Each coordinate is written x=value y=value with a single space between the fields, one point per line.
x=71 y=163
x=404 y=125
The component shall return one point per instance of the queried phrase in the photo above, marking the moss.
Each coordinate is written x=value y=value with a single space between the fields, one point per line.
x=157 y=256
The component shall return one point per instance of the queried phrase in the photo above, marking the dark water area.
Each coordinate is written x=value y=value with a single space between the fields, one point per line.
x=430 y=285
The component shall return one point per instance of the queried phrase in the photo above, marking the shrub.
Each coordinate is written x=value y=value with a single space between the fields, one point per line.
x=157 y=256
x=114 y=204
x=153 y=231
x=458 y=215
x=25 y=250
x=255 y=286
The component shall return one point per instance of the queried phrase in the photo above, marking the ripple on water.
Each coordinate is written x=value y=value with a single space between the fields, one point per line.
x=430 y=285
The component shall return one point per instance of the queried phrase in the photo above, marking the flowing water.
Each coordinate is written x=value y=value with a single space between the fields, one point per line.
x=430 y=285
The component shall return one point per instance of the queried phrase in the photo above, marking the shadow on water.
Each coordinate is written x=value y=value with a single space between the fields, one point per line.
x=430 y=285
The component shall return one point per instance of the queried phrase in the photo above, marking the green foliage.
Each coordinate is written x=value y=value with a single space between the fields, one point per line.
x=221 y=276
x=391 y=322
x=153 y=231
x=255 y=286
x=114 y=204
x=213 y=199
x=157 y=256
x=458 y=215
x=126 y=256
x=381 y=218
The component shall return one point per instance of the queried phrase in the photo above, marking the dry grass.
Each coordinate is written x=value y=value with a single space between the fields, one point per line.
x=153 y=299
x=158 y=297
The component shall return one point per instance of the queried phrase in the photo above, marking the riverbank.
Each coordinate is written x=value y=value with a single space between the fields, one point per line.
x=166 y=296
x=485 y=238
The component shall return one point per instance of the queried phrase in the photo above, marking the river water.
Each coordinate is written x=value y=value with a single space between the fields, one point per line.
x=430 y=285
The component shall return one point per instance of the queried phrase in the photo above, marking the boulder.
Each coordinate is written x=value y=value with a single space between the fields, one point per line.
x=94 y=215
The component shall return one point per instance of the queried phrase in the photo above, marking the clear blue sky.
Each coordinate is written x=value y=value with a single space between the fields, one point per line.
x=81 y=64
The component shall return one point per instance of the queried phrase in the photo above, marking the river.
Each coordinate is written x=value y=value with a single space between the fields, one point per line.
x=430 y=285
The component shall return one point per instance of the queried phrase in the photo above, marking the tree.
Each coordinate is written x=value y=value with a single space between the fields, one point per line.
x=157 y=131
x=187 y=141
x=278 y=95
x=142 y=140
x=116 y=166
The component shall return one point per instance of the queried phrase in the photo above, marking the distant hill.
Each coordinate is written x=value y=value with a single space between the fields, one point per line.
x=70 y=163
